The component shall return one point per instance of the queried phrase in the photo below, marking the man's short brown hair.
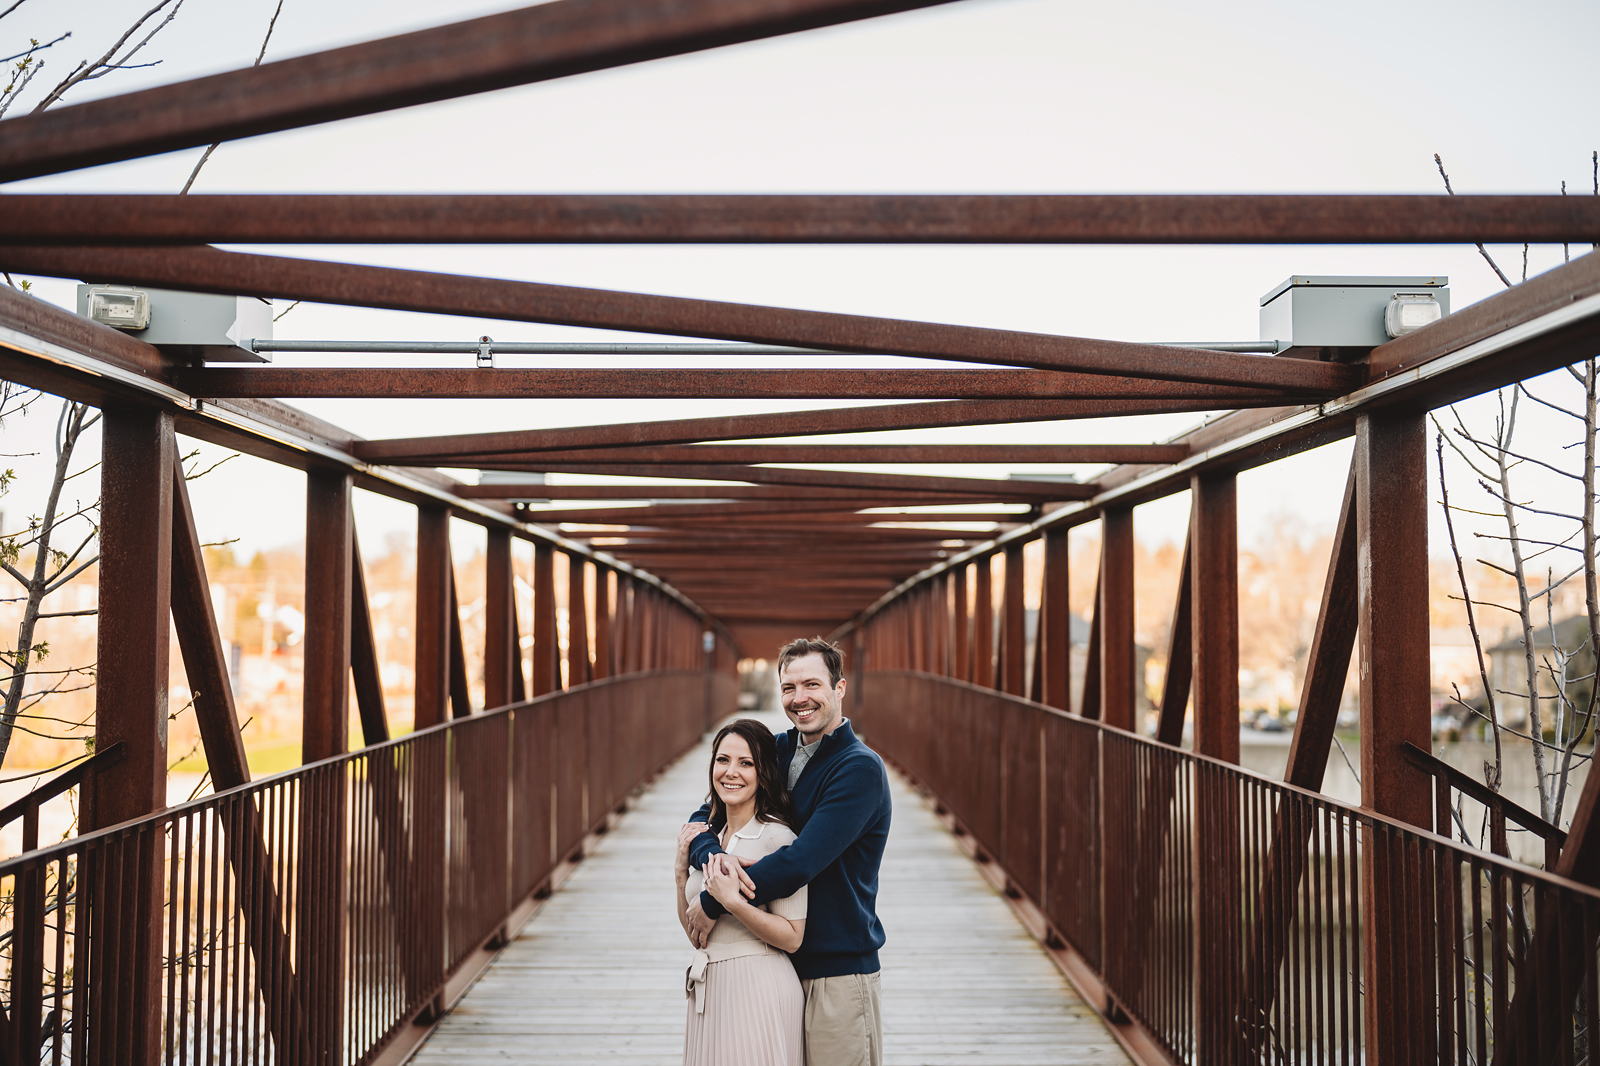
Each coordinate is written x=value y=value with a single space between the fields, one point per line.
x=831 y=654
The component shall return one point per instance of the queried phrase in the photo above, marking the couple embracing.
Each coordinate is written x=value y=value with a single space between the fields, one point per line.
x=777 y=884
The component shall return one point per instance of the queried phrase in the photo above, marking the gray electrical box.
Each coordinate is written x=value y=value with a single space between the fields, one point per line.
x=192 y=326
x=1342 y=318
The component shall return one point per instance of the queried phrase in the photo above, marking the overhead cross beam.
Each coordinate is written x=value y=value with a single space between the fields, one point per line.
x=206 y=269
x=826 y=219
x=514 y=48
x=1058 y=454
x=761 y=493
x=459 y=383
x=475 y=448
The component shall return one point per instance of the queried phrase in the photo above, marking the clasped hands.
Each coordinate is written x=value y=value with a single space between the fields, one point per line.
x=725 y=880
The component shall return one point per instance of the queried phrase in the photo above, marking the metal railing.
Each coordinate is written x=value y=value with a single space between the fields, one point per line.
x=1229 y=913
x=309 y=917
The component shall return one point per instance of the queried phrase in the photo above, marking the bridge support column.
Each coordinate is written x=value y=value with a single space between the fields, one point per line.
x=546 y=667
x=604 y=666
x=432 y=686
x=961 y=668
x=137 y=456
x=1114 y=615
x=983 y=624
x=1392 y=606
x=577 y=622
x=500 y=655
x=325 y=732
x=325 y=702
x=1055 y=617
x=1214 y=642
x=1013 y=624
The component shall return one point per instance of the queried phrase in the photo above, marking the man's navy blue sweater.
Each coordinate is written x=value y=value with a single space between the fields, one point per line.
x=842 y=803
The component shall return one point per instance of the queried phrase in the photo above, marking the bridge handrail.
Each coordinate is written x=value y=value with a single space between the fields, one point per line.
x=1222 y=910
x=323 y=909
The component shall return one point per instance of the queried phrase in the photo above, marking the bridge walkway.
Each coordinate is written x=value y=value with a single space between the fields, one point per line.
x=597 y=974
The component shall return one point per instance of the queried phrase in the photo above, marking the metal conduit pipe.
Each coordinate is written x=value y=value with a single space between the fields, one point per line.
x=488 y=347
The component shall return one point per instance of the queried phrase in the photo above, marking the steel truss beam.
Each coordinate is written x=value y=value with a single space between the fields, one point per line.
x=206 y=269
x=1058 y=454
x=436 y=383
x=715 y=219
x=46 y=347
x=478 y=448
x=1545 y=323
x=514 y=48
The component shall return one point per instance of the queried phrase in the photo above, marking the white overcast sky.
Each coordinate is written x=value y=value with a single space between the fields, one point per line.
x=977 y=96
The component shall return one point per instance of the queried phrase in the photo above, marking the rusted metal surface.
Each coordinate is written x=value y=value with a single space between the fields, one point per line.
x=1178 y=929
x=1214 y=561
x=961 y=617
x=245 y=874
x=1176 y=684
x=1090 y=700
x=742 y=427
x=668 y=492
x=1013 y=638
x=137 y=457
x=1392 y=603
x=983 y=625
x=1392 y=588
x=1119 y=695
x=434 y=585
x=578 y=664
x=604 y=648
x=985 y=488
x=679 y=384
x=736 y=513
x=500 y=654
x=1328 y=661
x=365 y=670
x=513 y=48
x=460 y=692
x=330 y=537
x=878 y=453
x=711 y=219
x=207 y=269
x=205 y=662
x=546 y=672
x=1055 y=632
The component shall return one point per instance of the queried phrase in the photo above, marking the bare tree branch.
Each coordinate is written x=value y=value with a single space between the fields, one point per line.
x=195 y=173
x=86 y=71
x=1481 y=249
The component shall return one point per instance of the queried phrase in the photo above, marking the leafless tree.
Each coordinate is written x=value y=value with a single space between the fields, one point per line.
x=1495 y=456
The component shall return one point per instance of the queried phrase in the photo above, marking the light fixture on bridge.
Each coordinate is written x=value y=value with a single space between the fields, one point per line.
x=1408 y=311
x=195 y=327
x=119 y=306
x=1341 y=319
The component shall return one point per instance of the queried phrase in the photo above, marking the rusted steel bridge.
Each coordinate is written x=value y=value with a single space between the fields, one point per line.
x=328 y=914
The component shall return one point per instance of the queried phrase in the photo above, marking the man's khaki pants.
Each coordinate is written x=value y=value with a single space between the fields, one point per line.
x=844 y=1020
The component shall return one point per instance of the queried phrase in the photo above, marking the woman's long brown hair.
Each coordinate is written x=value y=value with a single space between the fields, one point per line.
x=772 y=797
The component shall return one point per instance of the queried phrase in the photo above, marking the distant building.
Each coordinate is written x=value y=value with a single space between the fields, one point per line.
x=1508 y=670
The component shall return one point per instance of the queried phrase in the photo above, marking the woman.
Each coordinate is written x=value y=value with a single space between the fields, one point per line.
x=745 y=1003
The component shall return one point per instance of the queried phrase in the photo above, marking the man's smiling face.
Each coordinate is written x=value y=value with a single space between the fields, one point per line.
x=812 y=702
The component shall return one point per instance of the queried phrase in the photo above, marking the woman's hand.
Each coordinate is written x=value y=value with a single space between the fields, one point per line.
x=686 y=835
x=723 y=883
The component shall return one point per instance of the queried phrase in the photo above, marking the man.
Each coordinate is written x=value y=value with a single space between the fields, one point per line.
x=841 y=799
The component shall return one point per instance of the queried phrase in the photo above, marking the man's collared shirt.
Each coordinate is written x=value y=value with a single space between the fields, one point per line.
x=802 y=755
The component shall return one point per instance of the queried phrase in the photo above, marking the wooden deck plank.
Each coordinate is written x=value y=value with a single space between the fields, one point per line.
x=597 y=975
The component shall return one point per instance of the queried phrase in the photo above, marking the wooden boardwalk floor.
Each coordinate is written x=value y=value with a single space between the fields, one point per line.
x=597 y=975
